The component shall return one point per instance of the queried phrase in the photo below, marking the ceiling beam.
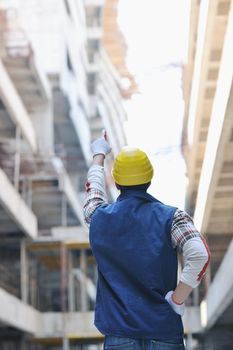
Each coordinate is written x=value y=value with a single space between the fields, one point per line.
x=221 y=124
x=15 y=108
x=15 y=206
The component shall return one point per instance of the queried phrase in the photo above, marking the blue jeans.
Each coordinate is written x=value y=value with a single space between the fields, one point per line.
x=118 y=343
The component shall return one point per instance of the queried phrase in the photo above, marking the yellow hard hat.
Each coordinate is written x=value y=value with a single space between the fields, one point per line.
x=132 y=167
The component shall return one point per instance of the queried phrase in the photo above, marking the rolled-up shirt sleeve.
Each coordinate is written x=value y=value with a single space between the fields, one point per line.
x=193 y=246
x=95 y=191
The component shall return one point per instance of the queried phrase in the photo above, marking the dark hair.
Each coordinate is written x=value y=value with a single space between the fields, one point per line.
x=142 y=187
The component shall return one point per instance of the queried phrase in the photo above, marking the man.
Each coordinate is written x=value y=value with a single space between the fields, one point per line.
x=135 y=240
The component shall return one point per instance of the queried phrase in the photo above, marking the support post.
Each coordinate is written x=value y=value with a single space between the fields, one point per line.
x=42 y=118
x=23 y=345
x=63 y=257
x=65 y=344
x=17 y=158
x=64 y=211
x=24 y=271
x=34 y=286
x=27 y=191
x=189 y=341
x=83 y=268
x=196 y=296
x=207 y=279
x=71 y=299
x=29 y=197
x=95 y=274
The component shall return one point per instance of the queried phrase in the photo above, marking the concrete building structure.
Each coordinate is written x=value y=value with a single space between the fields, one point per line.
x=208 y=150
x=57 y=92
x=116 y=48
x=58 y=89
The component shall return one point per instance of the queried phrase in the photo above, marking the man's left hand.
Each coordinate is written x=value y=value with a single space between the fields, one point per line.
x=178 y=308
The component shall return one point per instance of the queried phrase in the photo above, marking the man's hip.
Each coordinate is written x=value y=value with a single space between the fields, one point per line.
x=119 y=343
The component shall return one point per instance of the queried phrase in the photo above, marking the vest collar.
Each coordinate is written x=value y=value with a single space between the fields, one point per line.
x=136 y=194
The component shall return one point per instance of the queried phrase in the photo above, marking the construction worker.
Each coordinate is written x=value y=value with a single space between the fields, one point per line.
x=135 y=241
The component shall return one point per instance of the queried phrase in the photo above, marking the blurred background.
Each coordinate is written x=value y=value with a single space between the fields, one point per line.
x=156 y=74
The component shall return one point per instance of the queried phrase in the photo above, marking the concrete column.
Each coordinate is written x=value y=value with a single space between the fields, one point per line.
x=43 y=123
x=33 y=283
x=63 y=210
x=24 y=272
x=196 y=296
x=71 y=196
x=71 y=292
x=23 y=345
x=189 y=342
x=207 y=279
x=27 y=192
x=75 y=180
x=65 y=344
x=63 y=257
x=83 y=268
x=17 y=158
x=95 y=274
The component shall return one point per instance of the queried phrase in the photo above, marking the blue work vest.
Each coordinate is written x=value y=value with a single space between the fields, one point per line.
x=137 y=266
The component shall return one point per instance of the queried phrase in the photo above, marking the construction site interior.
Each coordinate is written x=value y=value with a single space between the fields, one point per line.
x=62 y=80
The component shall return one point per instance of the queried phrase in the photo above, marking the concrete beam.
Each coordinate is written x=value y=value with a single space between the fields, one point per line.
x=16 y=314
x=79 y=324
x=220 y=129
x=27 y=67
x=15 y=108
x=94 y=2
x=74 y=237
x=220 y=292
x=94 y=33
x=16 y=207
x=75 y=325
x=93 y=67
x=21 y=316
x=204 y=40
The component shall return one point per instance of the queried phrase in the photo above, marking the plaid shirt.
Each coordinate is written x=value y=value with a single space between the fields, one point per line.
x=182 y=226
x=184 y=234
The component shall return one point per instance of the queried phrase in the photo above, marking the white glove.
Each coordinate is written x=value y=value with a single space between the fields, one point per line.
x=178 y=308
x=101 y=146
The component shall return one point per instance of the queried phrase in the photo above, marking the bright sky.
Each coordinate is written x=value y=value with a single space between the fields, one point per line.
x=156 y=34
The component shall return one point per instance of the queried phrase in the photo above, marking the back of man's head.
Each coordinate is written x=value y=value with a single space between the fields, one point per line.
x=132 y=169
